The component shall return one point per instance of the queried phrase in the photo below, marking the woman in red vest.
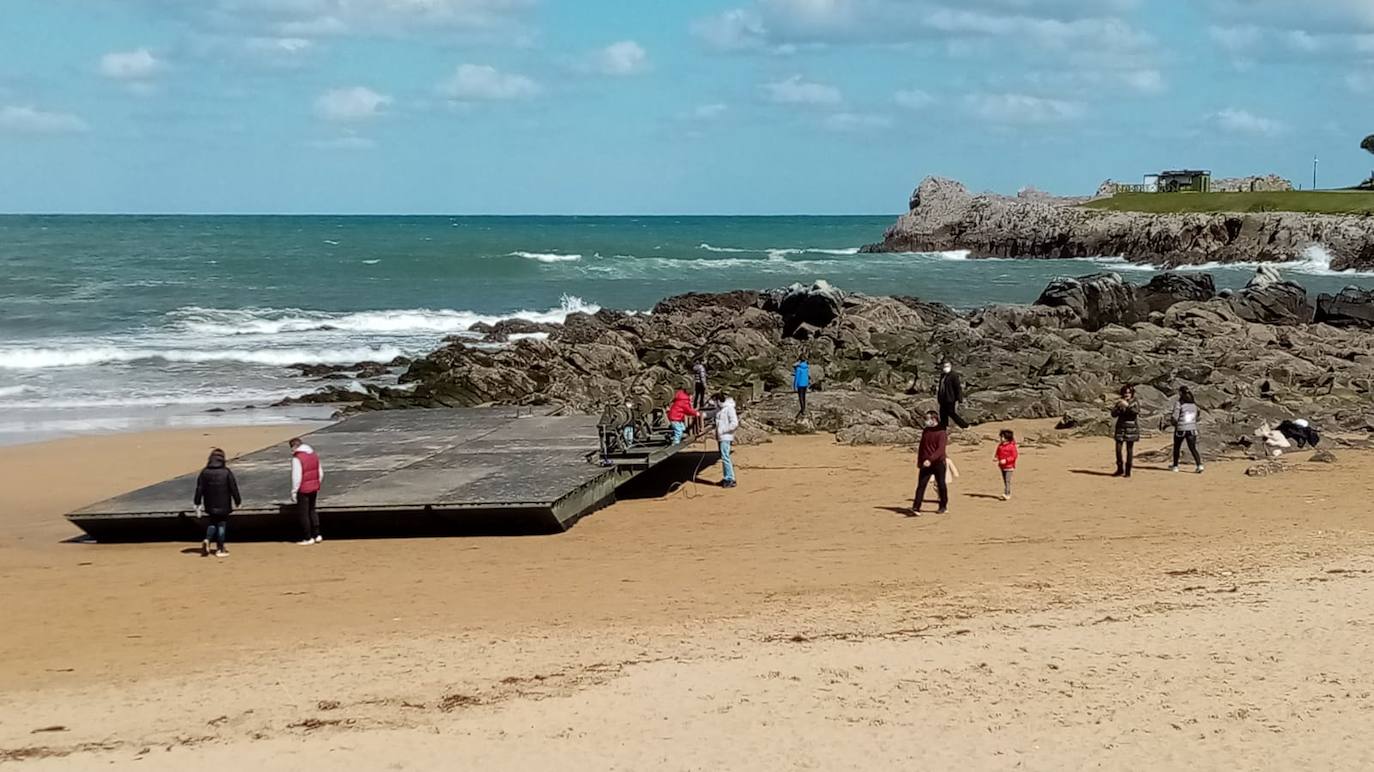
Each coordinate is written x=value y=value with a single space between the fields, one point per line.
x=306 y=478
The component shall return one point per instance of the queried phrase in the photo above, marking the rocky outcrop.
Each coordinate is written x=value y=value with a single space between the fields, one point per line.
x=944 y=216
x=873 y=360
x=1351 y=307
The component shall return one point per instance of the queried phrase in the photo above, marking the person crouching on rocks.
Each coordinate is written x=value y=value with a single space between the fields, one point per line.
x=1127 y=433
x=727 y=422
x=679 y=412
x=1184 y=419
x=931 y=458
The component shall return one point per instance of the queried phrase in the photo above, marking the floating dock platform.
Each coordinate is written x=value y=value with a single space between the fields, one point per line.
x=406 y=473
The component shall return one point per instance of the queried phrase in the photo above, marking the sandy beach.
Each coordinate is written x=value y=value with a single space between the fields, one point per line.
x=800 y=621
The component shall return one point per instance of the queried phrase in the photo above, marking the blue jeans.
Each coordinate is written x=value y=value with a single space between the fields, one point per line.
x=679 y=429
x=727 y=463
x=215 y=533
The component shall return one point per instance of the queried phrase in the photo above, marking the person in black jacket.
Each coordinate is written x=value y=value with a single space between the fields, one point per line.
x=217 y=493
x=949 y=394
x=1127 y=432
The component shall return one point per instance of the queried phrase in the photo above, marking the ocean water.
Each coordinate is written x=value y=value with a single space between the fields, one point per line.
x=112 y=323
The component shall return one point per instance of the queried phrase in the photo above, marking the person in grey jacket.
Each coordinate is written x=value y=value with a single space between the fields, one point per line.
x=1184 y=419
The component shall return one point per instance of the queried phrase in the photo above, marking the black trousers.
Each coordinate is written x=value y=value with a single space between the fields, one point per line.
x=936 y=470
x=310 y=519
x=1123 y=463
x=1191 y=438
x=699 y=396
x=801 y=400
x=949 y=412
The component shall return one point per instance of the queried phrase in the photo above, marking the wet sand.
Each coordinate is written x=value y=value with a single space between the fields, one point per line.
x=799 y=621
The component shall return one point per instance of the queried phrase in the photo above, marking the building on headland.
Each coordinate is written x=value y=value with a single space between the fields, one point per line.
x=1196 y=181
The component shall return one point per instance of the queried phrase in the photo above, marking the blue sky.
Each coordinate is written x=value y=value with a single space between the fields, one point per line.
x=688 y=106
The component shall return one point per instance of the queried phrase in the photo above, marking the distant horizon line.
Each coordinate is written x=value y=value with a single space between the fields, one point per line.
x=426 y=214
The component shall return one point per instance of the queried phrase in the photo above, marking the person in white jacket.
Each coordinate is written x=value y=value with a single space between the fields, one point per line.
x=727 y=421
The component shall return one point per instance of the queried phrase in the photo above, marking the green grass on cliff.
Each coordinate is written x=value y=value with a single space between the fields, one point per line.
x=1318 y=202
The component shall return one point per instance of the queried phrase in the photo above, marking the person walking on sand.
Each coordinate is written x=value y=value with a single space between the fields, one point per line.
x=307 y=477
x=727 y=422
x=801 y=381
x=931 y=458
x=1127 y=432
x=1007 y=455
x=699 y=385
x=1184 y=419
x=949 y=393
x=679 y=412
x=217 y=494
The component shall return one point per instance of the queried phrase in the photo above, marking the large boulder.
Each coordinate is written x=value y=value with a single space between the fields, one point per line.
x=1096 y=301
x=805 y=310
x=1351 y=307
x=694 y=302
x=1166 y=289
x=1272 y=302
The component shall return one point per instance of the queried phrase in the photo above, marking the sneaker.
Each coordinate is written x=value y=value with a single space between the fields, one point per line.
x=1173 y=468
x=222 y=553
x=205 y=548
x=319 y=539
x=941 y=511
x=1200 y=468
x=1006 y=497
x=305 y=543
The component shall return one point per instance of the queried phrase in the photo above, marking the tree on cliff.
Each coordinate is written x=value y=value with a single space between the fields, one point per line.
x=1368 y=143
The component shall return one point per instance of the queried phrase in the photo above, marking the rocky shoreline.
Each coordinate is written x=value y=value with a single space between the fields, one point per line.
x=945 y=216
x=1264 y=353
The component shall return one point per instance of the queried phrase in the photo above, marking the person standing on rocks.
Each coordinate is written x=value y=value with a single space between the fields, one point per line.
x=307 y=477
x=699 y=385
x=949 y=394
x=932 y=458
x=727 y=422
x=1184 y=419
x=801 y=381
x=679 y=412
x=217 y=493
x=1127 y=433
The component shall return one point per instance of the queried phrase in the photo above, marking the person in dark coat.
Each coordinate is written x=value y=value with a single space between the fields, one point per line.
x=932 y=458
x=1127 y=433
x=217 y=494
x=949 y=394
x=1300 y=432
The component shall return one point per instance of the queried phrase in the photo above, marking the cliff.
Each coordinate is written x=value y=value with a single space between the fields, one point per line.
x=944 y=216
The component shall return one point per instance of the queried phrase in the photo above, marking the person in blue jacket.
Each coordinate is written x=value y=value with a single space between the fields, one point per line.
x=801 y=381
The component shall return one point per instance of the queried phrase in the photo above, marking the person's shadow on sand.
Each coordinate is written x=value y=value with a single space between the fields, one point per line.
x=903 y=511
x=982 y=496
x=1100 y=473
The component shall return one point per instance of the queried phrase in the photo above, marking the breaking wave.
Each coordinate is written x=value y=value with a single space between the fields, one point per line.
x=400 y=322
x=546 y=257
x=44 y=358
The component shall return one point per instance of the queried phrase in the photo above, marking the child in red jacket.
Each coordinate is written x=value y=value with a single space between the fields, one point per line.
x=679 y=412
x=1007 y=454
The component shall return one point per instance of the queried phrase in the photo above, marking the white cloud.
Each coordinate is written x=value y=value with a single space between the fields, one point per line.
x=1244 y=122
x=483 y=83
x=853 y=122
x=320 y=18
x=1144 y=81
x=796 y=91
x=1023 y=108
x=624 y=58
x=710 y=112
x=278 y=48
x=738 y=29
x=23 y=119
x=913 y=99
x=346 y=105
x=139 y=64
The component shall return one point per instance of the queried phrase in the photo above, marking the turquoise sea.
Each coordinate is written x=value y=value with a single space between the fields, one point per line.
x=120 y=322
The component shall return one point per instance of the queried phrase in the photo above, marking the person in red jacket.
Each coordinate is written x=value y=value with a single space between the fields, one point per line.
x=307 y=475
x=931 y=459
x=1007 y=454
x=679 y=412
